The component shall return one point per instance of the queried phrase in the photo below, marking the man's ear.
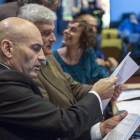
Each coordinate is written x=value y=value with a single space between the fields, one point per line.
x=7 y=48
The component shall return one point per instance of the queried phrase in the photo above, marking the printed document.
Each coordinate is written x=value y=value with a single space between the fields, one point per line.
x=130 y=106
x=130 y=123
x=129 y=94
x=124 y=71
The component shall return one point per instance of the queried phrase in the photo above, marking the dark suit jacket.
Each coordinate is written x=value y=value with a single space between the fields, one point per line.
x=61 y=90
x=25 y=115
x=8 y=10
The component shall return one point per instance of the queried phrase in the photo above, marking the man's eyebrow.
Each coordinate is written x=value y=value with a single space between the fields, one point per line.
x=49 y=30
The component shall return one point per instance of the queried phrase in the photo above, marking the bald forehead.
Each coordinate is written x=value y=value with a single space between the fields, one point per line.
x=16 y=28
x=13 y=23
x=90 y=19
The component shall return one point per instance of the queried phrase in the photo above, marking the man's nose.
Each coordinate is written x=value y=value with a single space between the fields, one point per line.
x=41 y=56
x=52 y=38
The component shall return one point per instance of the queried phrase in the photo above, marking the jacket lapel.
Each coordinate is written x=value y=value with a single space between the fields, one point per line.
x=55 y=81
x=32 y=84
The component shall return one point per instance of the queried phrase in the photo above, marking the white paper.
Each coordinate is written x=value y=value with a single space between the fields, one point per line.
x=127 y=104
x=130 y=106
x=129 y=124
x=124 y=71
x=120 y=65
x=129 y=94
x=135 y=110
x=128 y=68
x=135 y=126
x=105 y=103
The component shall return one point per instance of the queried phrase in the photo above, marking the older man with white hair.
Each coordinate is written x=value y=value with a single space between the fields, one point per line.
x=59 y=87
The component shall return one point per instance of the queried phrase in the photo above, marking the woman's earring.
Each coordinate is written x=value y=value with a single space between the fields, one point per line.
x=79 y=50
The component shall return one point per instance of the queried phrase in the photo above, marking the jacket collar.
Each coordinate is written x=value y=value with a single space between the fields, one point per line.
x=56 y=82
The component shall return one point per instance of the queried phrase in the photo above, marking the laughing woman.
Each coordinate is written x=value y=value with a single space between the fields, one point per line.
x=77 y=56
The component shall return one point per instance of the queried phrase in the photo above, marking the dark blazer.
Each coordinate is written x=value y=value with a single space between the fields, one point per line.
x=25 y=115
x=8 y=10
x=61 y=89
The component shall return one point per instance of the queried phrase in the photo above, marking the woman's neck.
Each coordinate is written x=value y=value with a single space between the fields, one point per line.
x=72 y=56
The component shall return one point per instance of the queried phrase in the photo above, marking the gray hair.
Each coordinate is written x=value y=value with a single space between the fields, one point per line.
x=50 y=3
x=36 y=13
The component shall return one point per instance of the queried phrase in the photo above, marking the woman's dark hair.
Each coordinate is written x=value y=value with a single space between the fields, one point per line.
x=88 y=36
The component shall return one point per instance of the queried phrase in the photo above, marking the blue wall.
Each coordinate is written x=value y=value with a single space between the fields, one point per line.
x=118 y=7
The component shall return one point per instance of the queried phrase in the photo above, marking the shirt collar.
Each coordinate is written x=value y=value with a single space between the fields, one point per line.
x=5 y=66
x=44 y=62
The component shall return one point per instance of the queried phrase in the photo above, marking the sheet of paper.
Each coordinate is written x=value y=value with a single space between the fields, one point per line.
x=120 y=65
x=130 y=106
x=128 y=68
x=129 y=94
x=127 y=104
x=137 y=123
x=124 y=71
x=135 y=110
x=129 y=124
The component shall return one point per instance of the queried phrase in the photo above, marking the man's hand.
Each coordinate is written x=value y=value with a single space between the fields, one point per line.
x=108 y=125
x=100 y=61
x=105 y=87
x=111 y=62
x=118 y=90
